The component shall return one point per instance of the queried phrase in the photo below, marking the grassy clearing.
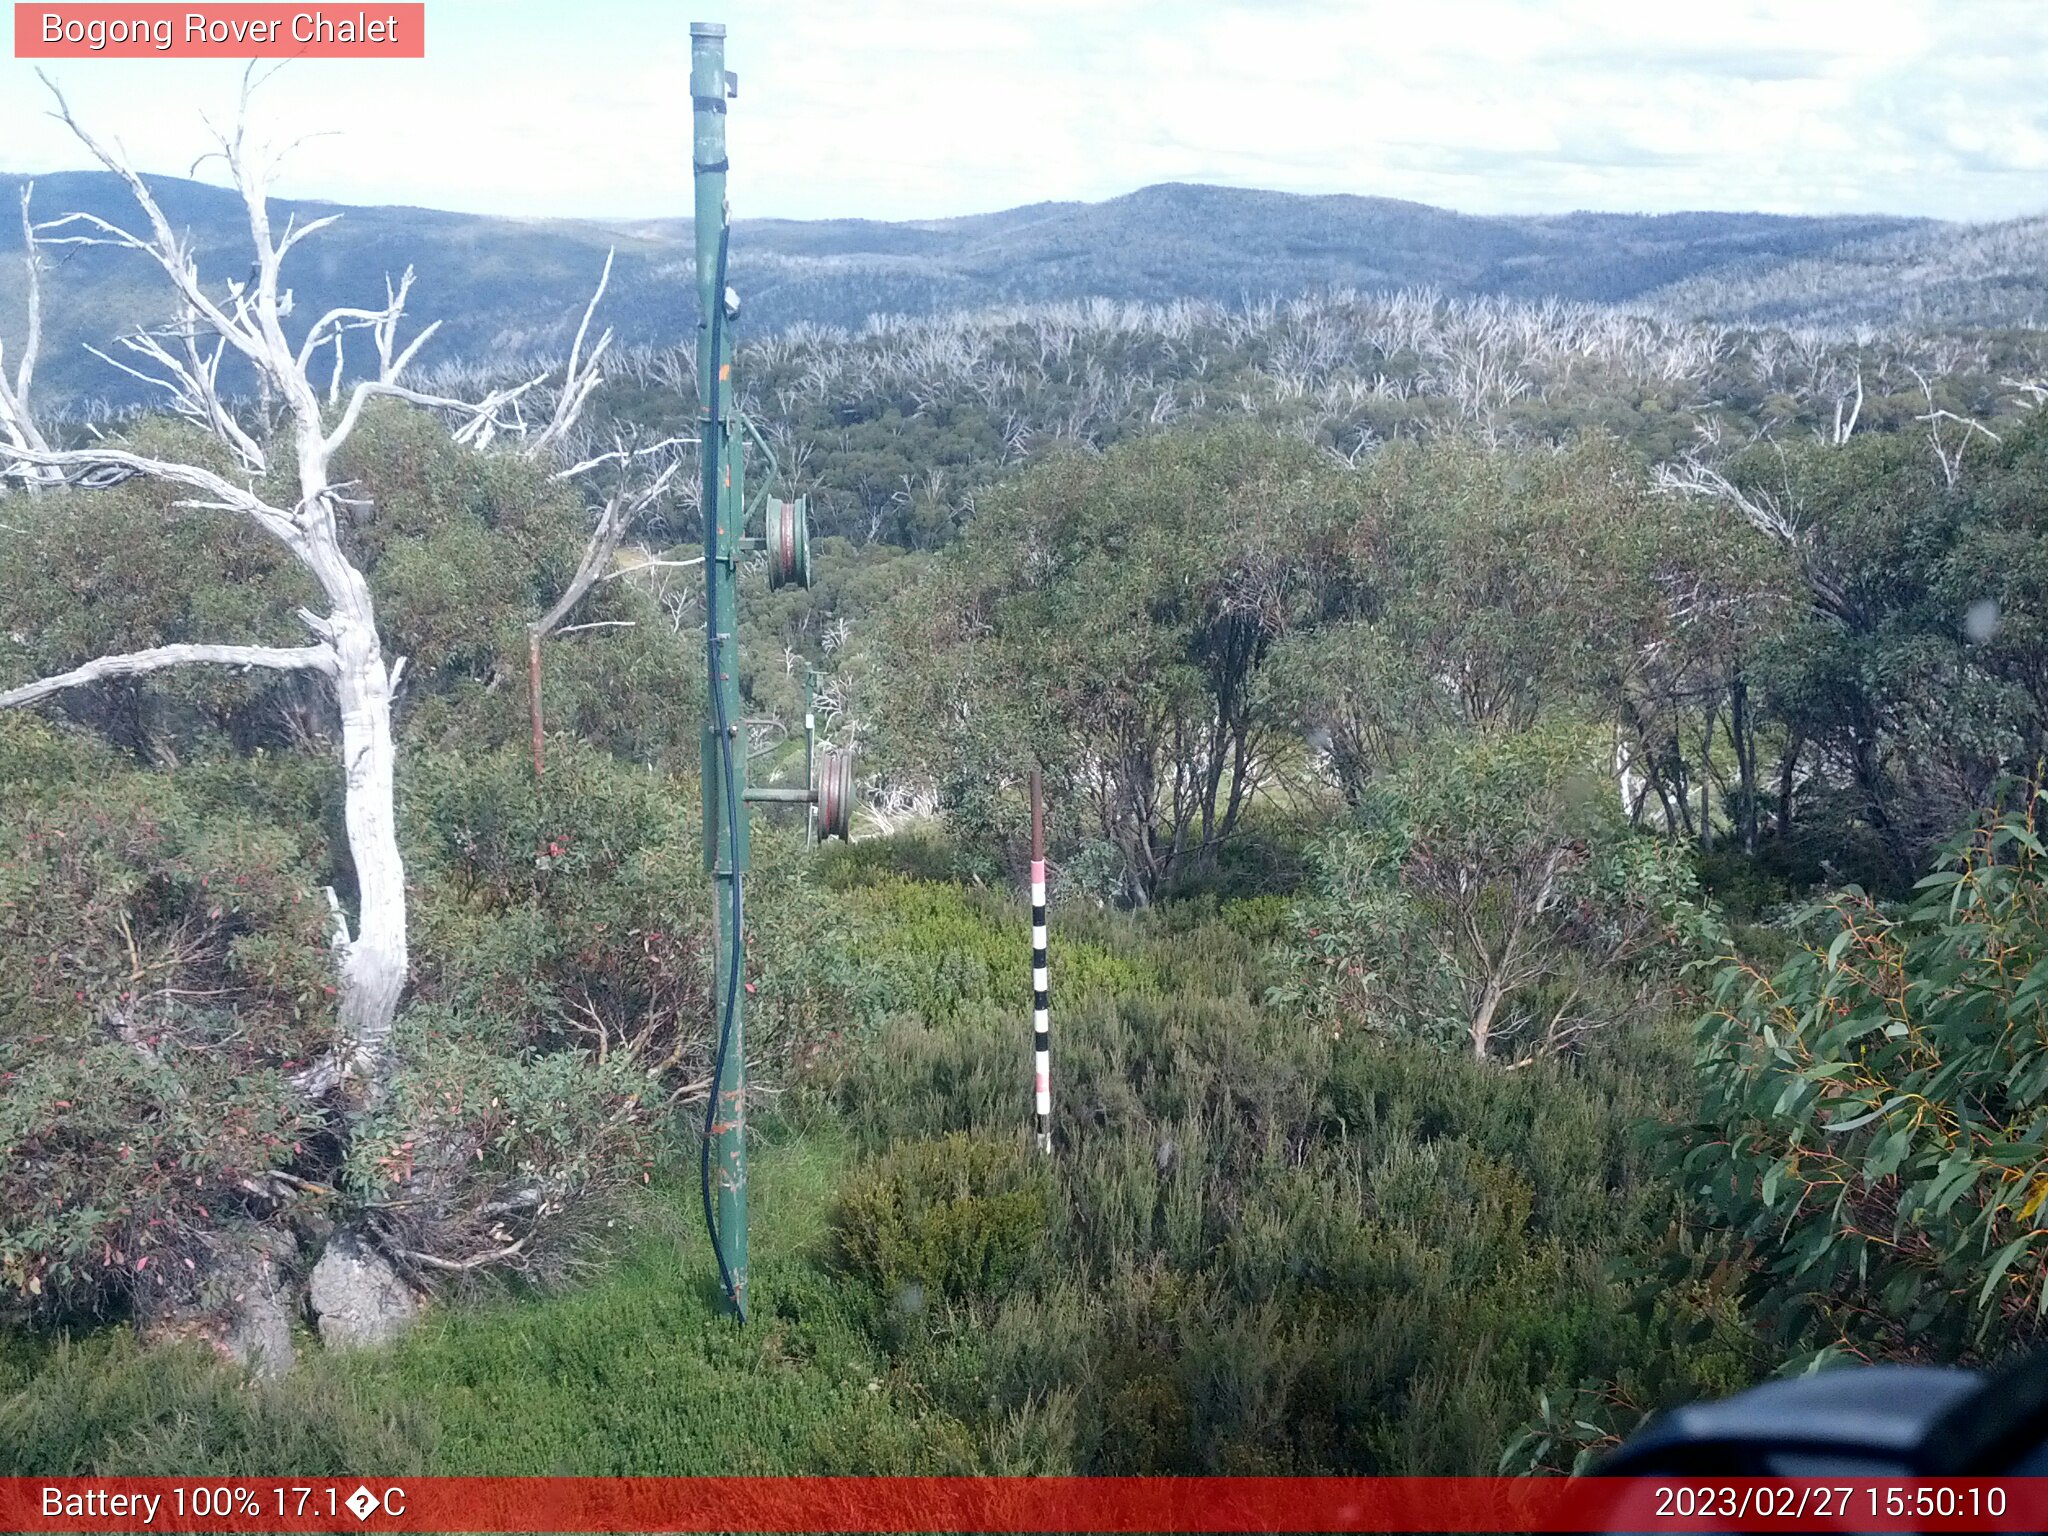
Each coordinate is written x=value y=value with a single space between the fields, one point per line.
x=634 y=1373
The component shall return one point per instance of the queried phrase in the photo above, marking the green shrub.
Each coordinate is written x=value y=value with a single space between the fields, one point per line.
x=1259 y=918
x=94 y=573
x=960 y=1218
x=463 y=550
x=943 y=949
x=572 y=914
x=1871 y=1115
x=1267 y=858
x=924 y=855
x=161 y=976
x=1272 y=1251
x=1491 y=899
x=1744 y=887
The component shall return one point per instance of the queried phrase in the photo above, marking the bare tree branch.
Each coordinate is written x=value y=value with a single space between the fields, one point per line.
x=98 y=468
x=1845 y=429
x=623 y=456
x=463 y=1266
x=577 y=629
x=1948 y=454
x=481 y=419
x=32 y=340
x=165 y=248
x=1763 y=511
x=351 y=654
x=621 y=509
x=303 y=658
x=580 y=378
x=17 y=421
x=193 y=382
x=652 y=565
x=1770 y=515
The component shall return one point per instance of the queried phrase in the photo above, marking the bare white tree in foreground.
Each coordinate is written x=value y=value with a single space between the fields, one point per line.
x=345 y=648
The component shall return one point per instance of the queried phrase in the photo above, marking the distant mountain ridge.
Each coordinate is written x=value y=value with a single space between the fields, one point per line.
x=507 y=287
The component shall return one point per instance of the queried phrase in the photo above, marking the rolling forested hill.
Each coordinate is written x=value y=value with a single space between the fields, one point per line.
x=505 y=288
x=1930 y=275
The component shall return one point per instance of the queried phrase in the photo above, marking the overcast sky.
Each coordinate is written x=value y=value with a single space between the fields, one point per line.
x=900 y=109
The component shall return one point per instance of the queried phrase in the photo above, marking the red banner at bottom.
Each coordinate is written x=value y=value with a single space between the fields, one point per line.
x=1019 y=1504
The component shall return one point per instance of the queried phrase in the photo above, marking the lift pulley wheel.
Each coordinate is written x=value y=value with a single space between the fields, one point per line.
x=835 y=795
x=789 y=544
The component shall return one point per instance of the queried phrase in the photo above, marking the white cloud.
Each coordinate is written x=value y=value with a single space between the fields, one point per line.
x=907 y=108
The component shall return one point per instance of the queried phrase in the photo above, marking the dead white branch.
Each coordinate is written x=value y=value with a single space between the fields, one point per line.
x=624 y=456
x=481 y=420
x=17 y=420
x=2034 y=390
x=100 y=468
x=626 y=504
x=303 y=658
x=652 y=565
x=191 y=376
x=1763 y=511
x=1948 y=452
x=1844 y=429
x=503 y=1255
x=1770 y=514
x=621 y=510
x=581 y=377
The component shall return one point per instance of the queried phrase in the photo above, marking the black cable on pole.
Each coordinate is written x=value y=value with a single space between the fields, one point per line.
x=714 y=455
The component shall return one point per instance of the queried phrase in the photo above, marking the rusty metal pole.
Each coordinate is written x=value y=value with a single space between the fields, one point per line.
x=533 y=691
x=1041 y=1004
x=811 y=755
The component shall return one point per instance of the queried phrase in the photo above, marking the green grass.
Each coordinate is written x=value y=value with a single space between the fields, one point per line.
x=636 y=1373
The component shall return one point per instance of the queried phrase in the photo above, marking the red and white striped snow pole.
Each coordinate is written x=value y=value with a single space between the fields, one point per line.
x=1041 y=1006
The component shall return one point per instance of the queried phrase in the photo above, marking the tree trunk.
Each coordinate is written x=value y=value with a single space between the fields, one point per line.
x=1788 y=772
x=1707 y=783
x=1656 y=779
x=1681 y=788
x=373 y=963
x=1482 y=1019
x=1742 y=730
x=374 y=973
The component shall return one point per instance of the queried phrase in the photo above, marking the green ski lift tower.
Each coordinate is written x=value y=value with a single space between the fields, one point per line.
x=785 y=542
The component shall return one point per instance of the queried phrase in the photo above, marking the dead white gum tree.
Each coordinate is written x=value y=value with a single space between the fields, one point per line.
x=245 y=321
x=17 y=420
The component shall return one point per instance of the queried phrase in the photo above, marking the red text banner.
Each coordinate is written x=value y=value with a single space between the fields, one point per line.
x=235 y=31
x=1052 y=1504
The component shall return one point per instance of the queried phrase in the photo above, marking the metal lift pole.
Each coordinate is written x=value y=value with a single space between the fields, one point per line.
x=725 y=815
